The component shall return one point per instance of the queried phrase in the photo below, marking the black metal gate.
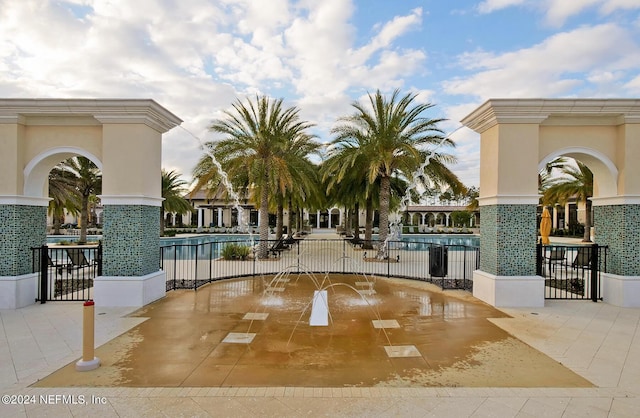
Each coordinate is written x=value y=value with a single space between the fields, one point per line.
x=572 y=272
x=66 y=273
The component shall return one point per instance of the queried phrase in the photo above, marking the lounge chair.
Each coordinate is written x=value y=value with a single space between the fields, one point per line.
x=555 y=256
x=277 y=247
x=57 y=266
x=77 y=259
x=582 y=261
x=290 y=240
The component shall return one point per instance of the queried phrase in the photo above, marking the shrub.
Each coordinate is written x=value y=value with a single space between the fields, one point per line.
x=235 y=252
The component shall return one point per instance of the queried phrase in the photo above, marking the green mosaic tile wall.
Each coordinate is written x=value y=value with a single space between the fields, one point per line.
x=21 y=228
x=619 y=227
x=131 y=240
x=508 y=240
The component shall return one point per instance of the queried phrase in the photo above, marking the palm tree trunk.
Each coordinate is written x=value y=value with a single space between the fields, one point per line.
x=291 y=217
x=84 y=219
x=347 y=221
x=263 y=213
x=368 y=229
x=587 y=221
x=279 y=220
x=385 y=194
x=356 y=221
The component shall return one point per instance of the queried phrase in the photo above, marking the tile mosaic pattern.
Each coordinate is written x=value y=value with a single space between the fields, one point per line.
x=22 y=228
x=618 y=226
x=508 y=240
x=131 y=240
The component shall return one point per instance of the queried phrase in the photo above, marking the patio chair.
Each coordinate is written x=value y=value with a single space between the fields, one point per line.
x=77 y=258
x=57 y=266
x=582 y=261
x=555 y=256
x=277 y=247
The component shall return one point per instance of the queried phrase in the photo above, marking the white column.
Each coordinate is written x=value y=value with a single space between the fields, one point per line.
x=446 y=219
x=555 y=217
x=219 y=217
x=200 y=217
x=318 y=220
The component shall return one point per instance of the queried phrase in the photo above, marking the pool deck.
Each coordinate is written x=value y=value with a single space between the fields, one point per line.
x=598 y=341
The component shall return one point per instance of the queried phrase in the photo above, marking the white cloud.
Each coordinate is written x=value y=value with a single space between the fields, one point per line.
x=197 y=56
x=489 y=6
x=557 y=12
x=552 y=68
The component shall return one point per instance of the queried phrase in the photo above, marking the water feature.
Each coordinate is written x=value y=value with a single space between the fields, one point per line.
x=225 y=180
x=395 y=228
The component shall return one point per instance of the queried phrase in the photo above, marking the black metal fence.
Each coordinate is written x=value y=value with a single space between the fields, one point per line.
x=66 y=273
x=189 y=266
x=572 y=272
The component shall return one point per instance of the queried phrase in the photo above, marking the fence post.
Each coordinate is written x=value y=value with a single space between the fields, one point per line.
x=298 y=257
x=195 y=275
x=175 y=266
x=539 y=259
x=594 y=272
x=99 y=256
x=44 y=274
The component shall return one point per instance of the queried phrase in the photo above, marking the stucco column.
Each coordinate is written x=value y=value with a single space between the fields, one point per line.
x=23 y=227
x=508 y=200
x=131 y=198
x=219 y=217
x=23 y=219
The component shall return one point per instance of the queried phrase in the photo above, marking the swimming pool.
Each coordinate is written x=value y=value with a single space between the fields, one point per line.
x=421 y=242
x=206 y=238
x=54 y=239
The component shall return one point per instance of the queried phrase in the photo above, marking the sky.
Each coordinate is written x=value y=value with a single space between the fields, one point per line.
x=197 y=57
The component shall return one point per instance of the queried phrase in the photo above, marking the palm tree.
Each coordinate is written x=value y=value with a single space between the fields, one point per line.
x=574 y=182
x=345 y=178
x=303 y=186
x=88 y=182
x=393 y=137
x=62 y=191
x=173 y=194
x=257 y=135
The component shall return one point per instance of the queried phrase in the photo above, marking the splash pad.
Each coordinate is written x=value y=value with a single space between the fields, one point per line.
x=365 y=344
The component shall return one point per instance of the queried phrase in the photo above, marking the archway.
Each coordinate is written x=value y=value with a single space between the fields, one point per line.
x=124 y=139
x=519 y=136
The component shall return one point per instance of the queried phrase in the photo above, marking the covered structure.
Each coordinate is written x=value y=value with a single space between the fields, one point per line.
x=124 y=139
x=518 y=137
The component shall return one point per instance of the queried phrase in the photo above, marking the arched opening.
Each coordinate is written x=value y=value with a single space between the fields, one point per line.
x=36 y=172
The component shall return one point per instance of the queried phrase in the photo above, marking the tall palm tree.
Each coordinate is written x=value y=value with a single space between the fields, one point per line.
x=303 y=186
x=257 y=134
x=173 y=192
x=394 y=138
x=62 y=191
x=573 y=182
x=88 y=182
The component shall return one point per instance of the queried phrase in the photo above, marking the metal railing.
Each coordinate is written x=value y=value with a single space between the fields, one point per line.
x=189 y=266
x=572 y=272
x=66 y=273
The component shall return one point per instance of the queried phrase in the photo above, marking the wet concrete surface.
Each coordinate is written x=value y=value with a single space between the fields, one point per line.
x=181 y=342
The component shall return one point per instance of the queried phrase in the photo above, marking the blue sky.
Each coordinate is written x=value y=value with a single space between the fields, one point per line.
x=195 y=57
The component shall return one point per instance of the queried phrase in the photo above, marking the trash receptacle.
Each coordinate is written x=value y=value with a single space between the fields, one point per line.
x=438 y=261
